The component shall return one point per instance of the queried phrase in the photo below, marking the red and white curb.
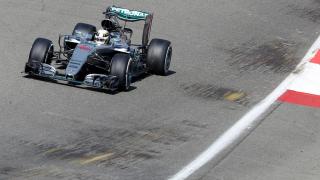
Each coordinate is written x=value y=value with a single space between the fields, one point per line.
x=299 y=86
x=305 y=90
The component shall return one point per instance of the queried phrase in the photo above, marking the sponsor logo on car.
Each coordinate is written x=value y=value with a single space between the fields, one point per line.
x=84 y=47
x=126 y=12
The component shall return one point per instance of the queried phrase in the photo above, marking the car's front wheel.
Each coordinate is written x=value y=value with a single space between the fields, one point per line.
x=120 y=67
x=41 y=52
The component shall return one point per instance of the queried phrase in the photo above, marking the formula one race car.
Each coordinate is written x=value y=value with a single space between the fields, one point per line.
x=104 y=59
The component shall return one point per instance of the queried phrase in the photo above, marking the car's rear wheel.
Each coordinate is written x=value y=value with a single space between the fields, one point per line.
x=159 y=56
x=41 y=52
x=83 y=28
x=120 y=67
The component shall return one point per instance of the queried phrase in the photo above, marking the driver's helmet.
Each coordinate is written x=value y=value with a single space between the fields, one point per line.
x=101 y=37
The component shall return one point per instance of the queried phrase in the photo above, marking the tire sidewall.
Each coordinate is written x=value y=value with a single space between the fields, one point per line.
x=167 y=60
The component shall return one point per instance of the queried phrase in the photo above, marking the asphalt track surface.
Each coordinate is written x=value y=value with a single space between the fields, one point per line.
x=228 y=55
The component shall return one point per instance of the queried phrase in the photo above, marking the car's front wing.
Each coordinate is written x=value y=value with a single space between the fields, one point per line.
x=100 y=81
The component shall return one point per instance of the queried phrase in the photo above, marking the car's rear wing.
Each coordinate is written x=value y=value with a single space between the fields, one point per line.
x=126 y=14
x=133 y=16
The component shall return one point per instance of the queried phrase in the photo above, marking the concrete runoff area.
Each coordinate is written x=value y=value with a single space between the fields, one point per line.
x=228 y=55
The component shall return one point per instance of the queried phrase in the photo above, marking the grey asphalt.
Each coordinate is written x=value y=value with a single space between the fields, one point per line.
x=227 y=56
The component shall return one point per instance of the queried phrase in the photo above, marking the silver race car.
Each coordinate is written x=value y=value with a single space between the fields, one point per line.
x=103 y=58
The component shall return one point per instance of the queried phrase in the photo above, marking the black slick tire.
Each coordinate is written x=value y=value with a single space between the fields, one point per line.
x=41 y=52
x=159 y=56
x=120 y=67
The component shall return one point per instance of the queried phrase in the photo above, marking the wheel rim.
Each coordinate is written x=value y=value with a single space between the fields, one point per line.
x=168 y=59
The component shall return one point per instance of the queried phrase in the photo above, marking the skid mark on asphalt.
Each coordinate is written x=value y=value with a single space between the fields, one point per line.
x=97 y=146
x=7 y=170
x=312 y=13
x=100 y=147
x=211 y=92
x=104 y=147
x=277 y=56
x=49 y=172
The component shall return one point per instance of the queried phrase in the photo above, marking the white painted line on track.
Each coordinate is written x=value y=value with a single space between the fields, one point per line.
x=244 y=126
